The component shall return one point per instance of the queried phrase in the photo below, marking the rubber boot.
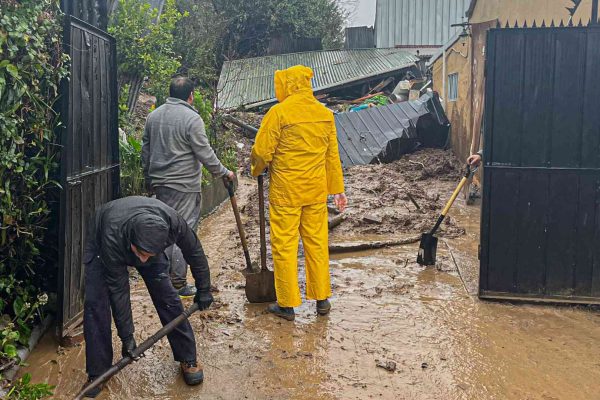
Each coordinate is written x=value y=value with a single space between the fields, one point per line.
x=192 y=373
x=93 y=393
x=323 y=307
x=282 y=312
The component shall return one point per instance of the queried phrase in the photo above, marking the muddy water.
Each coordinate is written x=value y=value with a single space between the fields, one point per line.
x=445 y=343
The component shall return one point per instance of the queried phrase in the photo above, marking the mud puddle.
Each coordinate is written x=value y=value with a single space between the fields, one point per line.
x=397 y=331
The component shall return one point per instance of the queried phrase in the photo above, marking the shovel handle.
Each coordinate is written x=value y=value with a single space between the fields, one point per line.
x=238 y=221
x=261 y=217
x=138 y=351
x=446 y=209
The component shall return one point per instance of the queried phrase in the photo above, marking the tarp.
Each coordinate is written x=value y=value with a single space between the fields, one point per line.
x=383 y=134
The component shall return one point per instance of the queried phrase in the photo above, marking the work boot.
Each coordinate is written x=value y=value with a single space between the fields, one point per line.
x=323 y=307
x=192 y=373
x=283 y=312
x=187 y=291
x=93 y=393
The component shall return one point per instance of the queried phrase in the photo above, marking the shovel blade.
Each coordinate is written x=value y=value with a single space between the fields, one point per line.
x=427 y=249
x=260 y=287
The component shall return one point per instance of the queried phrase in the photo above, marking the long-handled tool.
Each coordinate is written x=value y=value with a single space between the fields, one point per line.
x=428 y=246
x=238 y=221
x=165 y=330
x=260 y=286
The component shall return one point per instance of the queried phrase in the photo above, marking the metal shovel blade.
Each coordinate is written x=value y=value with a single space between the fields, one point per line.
x=260 y=287
x=427 y=249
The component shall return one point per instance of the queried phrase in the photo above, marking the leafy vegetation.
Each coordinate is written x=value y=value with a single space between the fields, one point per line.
x=145 y=43
x=214 y=30
x=23 y=389
x=132 y=175
x=31 y=68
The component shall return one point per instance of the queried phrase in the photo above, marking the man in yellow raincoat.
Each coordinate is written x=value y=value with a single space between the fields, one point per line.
x=297 y=142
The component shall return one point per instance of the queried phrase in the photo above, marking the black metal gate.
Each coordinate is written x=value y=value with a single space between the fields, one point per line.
x=89 y=155
x=541 y=206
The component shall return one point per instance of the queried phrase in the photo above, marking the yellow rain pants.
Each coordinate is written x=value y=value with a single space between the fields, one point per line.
x=297 y=141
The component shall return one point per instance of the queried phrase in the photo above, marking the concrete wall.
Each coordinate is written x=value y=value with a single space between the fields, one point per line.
x=458 y=60
x=529 y=10
x=212 y=196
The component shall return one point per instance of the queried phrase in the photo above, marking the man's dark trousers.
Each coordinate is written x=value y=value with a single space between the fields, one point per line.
x=97 y=314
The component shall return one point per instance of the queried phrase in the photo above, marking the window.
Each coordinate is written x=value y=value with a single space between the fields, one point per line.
x=453 y=87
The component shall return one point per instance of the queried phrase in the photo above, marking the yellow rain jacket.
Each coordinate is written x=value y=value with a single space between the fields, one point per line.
x=297 y=141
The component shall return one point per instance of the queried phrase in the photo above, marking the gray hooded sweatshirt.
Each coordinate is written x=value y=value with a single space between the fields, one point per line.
x=175 y=147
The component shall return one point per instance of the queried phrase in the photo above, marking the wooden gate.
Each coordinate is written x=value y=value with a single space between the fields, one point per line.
x=89 y=156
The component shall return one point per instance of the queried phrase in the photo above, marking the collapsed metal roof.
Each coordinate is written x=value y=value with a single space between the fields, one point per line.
x=383 y=134
x=249 y=82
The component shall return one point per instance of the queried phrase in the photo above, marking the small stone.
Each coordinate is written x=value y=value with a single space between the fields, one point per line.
x=387 y=365
x=373 y=219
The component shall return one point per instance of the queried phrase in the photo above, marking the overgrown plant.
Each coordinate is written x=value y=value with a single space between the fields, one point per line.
x=132 y=174
x=23 y=389
x=145 y=43
x=31 y=68
x=215 y=30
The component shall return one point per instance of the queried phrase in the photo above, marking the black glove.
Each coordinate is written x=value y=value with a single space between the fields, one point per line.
x=204 y=299
x=127 y=347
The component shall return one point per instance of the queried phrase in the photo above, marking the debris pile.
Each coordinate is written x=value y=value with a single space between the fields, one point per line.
x=405 y=196
x=394 y=200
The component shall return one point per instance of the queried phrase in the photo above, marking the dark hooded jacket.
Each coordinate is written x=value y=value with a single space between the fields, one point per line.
x=151 y=226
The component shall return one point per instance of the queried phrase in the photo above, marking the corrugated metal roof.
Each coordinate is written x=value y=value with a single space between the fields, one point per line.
x=417 y=23
x=249 y=82
x=383 y=134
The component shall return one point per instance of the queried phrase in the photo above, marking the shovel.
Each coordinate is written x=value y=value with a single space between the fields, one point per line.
x=139 y=351
x=238 y=221
x=260 y=286
x=428 y=246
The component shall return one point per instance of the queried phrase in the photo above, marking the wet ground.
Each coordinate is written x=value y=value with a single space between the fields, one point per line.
x=397 y=330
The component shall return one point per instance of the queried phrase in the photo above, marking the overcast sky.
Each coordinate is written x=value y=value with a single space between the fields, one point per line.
x=362 y=12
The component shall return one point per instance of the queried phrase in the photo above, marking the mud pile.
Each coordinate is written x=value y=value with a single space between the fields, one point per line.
x=405 y=196
x=383 y=198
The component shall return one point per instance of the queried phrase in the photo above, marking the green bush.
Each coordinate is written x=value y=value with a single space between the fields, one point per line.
x=31 y=68
x=132 y=174
x=144 y=46
x=23 y=389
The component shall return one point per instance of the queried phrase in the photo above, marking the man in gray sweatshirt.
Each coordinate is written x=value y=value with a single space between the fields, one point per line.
x=174 y=149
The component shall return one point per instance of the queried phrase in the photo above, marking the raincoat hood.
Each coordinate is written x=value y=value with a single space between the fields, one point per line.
x=149 y=233
x=292 y=80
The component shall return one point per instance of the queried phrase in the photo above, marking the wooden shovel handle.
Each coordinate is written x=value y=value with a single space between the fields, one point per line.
x=261 y=217
x=238 y=221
